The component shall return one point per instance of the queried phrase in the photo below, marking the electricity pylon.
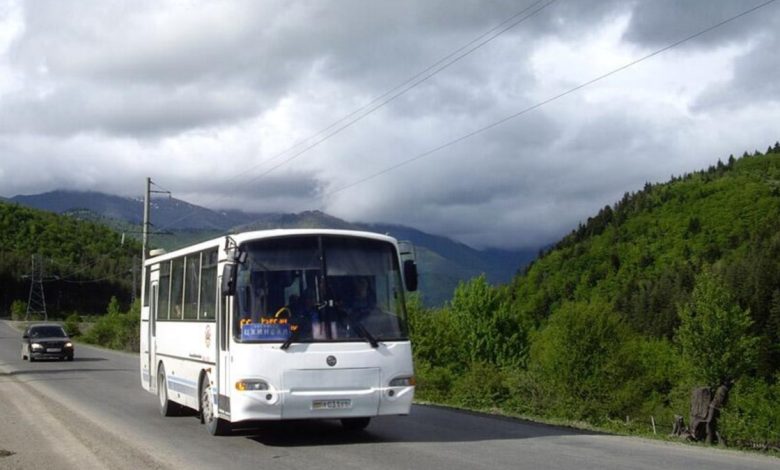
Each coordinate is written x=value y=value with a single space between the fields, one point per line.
x=36 y=303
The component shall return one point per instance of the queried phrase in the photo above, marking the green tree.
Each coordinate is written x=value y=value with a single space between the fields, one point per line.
x=752 y=418
x=18 y=310
x=113 y=306
x=580 y=360
x=714 y=333
x=487 y=328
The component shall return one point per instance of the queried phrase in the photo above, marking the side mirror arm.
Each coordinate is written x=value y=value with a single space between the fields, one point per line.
x=410 y=275
x=229 y=274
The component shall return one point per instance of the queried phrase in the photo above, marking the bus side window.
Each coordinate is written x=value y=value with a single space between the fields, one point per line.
x=177 y=288
x=224 y=326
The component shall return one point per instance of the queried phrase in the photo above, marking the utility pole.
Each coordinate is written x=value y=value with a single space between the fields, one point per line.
x=134 y=269
x=36 y=302
x=145 y=229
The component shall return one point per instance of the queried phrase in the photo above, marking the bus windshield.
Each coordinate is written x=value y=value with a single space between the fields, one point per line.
x=319 y=288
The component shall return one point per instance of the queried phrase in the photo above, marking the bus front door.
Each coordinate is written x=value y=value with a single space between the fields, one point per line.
x=152 y=341
x=223 y=356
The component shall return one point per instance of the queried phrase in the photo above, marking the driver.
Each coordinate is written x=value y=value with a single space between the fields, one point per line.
x=363 y=302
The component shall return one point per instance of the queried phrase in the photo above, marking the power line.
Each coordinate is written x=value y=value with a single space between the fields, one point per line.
x=408 y=85
x=102 y=279
x=381 y=103
x=546 y=101
x=390 y=95
x=69 y=272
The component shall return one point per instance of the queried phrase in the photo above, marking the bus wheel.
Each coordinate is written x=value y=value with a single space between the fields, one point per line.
x=215 y=425
x=355 y=424
x=167 y=407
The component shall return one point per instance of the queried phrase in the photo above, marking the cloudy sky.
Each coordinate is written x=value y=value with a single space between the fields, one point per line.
x=208 y=98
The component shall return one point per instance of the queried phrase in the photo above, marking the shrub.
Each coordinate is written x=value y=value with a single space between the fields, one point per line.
x=714 y=334
x=433 y=383
x=18 y=310
x=581 y=361
x=648 y=387
x=113 y=306
x=751 y=417
x=481 y=386
x=117 y=330
x=435 y=339
x=526 y=395
x=72 y=324
x=486 y=328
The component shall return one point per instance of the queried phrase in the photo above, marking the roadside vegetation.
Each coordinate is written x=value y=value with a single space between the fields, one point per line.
x=670 y=297
x=116 y=329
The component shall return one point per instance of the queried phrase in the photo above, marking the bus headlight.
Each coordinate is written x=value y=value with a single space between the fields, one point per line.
x=403 y=382
x=251 y=385
x=36 y=346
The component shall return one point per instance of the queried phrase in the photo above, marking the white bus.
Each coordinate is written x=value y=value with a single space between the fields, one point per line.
x=279 y=324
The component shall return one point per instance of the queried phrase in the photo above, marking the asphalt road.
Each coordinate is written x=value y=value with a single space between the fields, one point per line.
x=93 y=413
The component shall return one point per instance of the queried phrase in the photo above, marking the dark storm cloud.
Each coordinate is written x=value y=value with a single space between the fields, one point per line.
x=138 y=111
x=753 y=80
x=659 y=22
x=204 y=96
x=655 y=23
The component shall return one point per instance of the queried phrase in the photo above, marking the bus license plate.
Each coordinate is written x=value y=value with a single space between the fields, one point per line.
x=53 y=350
x=331 y=404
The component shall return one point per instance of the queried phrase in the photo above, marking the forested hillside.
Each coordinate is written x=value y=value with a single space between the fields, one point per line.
x=643 y=254
x=674 y=286
x=85 y=263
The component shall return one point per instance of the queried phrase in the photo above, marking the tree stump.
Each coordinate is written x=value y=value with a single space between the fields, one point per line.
x=700 y=408
x=721 y=394
x=705 y=410
x=679 y=429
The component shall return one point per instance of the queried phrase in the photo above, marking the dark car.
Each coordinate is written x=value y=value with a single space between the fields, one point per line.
x=46 y=341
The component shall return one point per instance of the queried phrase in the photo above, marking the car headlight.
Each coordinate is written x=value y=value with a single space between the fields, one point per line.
x=68 y=344
x=36 y=346
x=251 y=384
x=402 y=382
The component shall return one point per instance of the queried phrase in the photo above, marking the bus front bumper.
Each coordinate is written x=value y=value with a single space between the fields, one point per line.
x=320 y=404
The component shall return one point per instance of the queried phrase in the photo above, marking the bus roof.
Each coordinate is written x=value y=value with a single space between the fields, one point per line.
x=243 y=237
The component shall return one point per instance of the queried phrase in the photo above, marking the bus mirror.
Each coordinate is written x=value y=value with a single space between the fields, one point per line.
x=228 y=280
x=410 y=275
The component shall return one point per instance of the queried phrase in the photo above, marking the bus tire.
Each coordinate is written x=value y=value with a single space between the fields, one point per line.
x=355 y=424
x=167 y=407
x=215 y=425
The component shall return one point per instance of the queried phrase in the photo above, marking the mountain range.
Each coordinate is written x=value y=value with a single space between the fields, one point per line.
x=442 y=262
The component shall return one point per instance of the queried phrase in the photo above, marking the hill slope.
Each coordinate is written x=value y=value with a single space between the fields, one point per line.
x=642 y=254
x=181 y=215
x=84 y=263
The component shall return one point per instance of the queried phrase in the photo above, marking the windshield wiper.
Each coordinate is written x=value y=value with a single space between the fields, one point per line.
x=293 y=336
x=363 y=331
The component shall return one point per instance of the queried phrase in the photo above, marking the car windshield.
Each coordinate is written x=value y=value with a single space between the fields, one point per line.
x=47 y=332
x=312 y=288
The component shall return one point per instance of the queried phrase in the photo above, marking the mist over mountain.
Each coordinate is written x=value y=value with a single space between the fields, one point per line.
x=442 y=262
x=167 y=212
